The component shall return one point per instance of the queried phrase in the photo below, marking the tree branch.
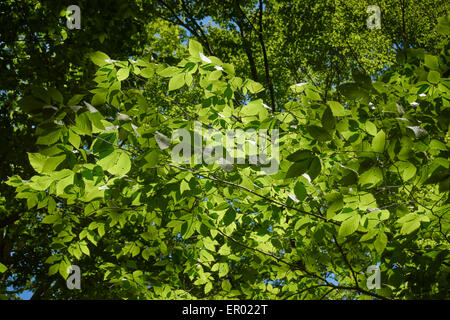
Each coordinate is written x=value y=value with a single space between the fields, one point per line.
x=296 y=267
x=246 y=43
x=256 y=194
x=180 y=22
x=347 y=262
x=203 y=35
x=266 y=61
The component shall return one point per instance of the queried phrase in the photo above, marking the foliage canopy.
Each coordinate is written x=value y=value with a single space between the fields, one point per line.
x=363 y=173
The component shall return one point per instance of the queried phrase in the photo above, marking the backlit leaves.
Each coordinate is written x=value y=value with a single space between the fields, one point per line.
x=369 y=166
x=349 y=226
x=379 y=141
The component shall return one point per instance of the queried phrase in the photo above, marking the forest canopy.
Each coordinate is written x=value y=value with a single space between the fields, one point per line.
x=225 y=149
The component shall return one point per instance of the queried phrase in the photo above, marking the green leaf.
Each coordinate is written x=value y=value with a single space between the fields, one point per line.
x=184 y=186
x=253 y=108
x=37 y=161
x=176 y=82
x=75 y=100
x=63 y=182
x=352 y=91
x=337 y=108
x=314 y=168
x=253 y=86
x=361 y=78
x=50 y=137
x=100 y=58
x=432 y=62
x=349 y=226
x=135 y=250
x=380 y=242
x=433 y=76
x=225 y=250
x=122 y=166
x=319 y=133
x=410 y=227
x=369 y=235
x=30 y=104
x=366 y=200
x=63 y=266
x=117 y=163
x=328 y=120
x=122 y=74
x=300 y=155
x=298 y=168
x=74 y=139
x=408 y=170
x=371 y=128
x=101 y=230
x=205 y=256
x=371 y=177
x=40 y=183
x=443 y=25
x=50 y=219
x=229 y=217
x=84 y=248
x=44 y=164
x=104 y=143
x=300 y=191
x=14 y=181
x=208 y=287
x=53 y=269
x=226 y=285
x=187 y=229
x=223 y=269
x=438 y=145
x=147 y=72
x=209 y=244
x=313 y=94
x=82 y=124
x=152 y=159
x=169 y=72
x=299 y=87
x=379 y=142
x=195 y=48
x=3 y=268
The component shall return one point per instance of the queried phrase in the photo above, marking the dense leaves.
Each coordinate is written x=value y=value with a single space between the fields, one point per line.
x=363 y=172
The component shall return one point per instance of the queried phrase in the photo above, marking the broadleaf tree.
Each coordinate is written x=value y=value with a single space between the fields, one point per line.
x=361 y=172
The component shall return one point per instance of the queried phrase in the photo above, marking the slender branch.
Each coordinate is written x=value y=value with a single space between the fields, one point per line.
x=306 y=289
x=115 y=145
x=361 y=290
x=347 y=262
x=266 y=61
x=180 y=22
x=327 y=293
x=246 y=43
x=263 y=49
x=296 y=267
x=203 y=35
x=256 y=194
